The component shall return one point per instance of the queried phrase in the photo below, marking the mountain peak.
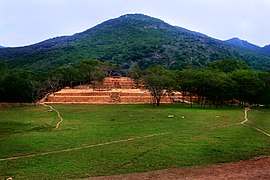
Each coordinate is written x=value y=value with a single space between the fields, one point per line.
x=133 y=40
x=132 y=24
x=241 y=43
x=136 y=15
x=137 y=18
x=237 y=41
x=267 y=47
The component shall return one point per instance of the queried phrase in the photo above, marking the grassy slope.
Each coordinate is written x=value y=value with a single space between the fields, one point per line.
x=27 y=130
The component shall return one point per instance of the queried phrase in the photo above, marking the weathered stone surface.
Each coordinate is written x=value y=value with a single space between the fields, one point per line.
x=114 y=90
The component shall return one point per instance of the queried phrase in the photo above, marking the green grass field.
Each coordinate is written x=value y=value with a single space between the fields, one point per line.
x=193 y=137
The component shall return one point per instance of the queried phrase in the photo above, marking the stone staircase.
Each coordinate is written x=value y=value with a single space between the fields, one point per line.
x=120 y=90
x=119 y=96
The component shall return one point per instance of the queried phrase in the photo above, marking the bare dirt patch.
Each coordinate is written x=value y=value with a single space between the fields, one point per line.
x=257 y=168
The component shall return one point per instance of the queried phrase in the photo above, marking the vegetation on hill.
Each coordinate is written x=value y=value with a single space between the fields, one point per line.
x=133 y=40
x=267 y=49
x=243 y=44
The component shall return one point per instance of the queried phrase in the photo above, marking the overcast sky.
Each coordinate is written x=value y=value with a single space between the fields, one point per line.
x=24 y=22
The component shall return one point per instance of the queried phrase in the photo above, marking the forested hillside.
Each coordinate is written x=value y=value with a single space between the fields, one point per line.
x=236 y=42
x=133 y=40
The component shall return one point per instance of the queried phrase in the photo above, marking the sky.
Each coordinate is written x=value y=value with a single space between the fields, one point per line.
x=25 y=22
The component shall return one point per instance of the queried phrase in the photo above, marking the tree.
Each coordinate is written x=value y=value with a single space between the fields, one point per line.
x=3 y=66
x=265 y=93
x=214 y=86
x=158 y=81
x=68 y=75
x=93 y=71
x=16 y=87
x=136 y=74
x=229 y=65
x=249 y=86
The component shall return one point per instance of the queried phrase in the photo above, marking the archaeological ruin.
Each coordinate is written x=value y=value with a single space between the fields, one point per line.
x=113 y=90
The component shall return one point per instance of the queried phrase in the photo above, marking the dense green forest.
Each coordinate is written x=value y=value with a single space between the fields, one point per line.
x=17 y=85
x=217 y=83
x=135 y=40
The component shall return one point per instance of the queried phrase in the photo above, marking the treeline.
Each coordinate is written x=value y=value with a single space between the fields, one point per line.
x=219 y=83
x=18 y=85
x=222 y=82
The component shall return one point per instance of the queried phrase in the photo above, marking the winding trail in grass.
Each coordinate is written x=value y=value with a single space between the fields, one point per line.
x=246 y=120
x=129 y=139
x=108 y=143
x=58 y=114
x=83 y=147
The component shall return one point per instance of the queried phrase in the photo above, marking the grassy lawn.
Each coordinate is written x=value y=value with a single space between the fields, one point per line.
x=193 y=137
x=260 y=118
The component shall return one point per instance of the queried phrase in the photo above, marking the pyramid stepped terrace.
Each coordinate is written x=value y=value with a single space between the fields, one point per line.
x=114 y=90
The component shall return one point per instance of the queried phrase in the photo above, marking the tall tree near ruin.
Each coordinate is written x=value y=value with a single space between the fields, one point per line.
x=249 y=86
x=93 y=71
x=68 y=75
x=265 y=93
x=158 y=81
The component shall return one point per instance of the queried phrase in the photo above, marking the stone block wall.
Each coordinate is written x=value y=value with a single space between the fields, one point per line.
x=118 y=90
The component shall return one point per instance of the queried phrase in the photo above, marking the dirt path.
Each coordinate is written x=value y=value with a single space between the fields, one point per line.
x=58 y=114
x=106 y=143
x=81 y=147
x=253 y=127
x=255 y=169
